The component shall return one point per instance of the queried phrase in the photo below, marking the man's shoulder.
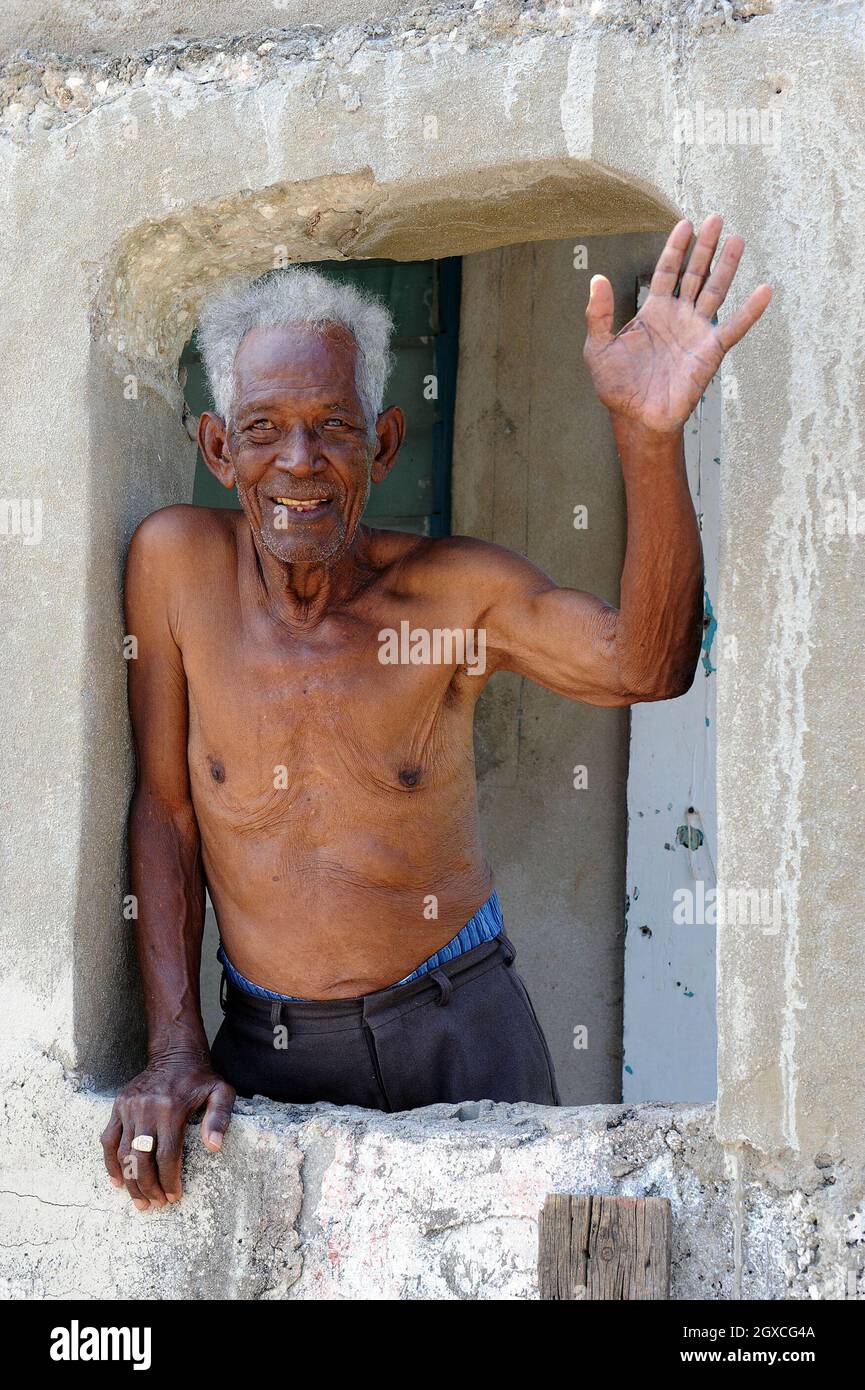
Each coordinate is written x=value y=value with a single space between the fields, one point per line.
x=177 y=550
x=462 y=563
x=181 y=537
x=172 y=528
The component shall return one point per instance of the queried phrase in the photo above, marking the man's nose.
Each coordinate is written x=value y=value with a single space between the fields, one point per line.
x=300 y=454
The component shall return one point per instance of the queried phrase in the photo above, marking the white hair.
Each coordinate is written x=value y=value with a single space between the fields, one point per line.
x=295 y=296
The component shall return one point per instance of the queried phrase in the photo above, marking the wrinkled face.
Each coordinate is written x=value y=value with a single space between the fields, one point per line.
x=298 y=441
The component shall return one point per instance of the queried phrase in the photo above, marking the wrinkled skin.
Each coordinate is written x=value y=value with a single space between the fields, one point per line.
x=322 y=795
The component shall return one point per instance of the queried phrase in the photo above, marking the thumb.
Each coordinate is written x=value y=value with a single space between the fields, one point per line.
x=217 y=1116
x=599 y=310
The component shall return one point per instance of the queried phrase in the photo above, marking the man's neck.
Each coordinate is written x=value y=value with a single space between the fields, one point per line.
x=302 y=595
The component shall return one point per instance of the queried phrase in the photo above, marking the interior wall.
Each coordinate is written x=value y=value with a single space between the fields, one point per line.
x=531 y=443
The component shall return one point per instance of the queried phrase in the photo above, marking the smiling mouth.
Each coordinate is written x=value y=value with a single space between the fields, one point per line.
x=303 y=506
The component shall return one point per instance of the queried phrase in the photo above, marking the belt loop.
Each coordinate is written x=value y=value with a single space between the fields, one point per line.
x=510 y=953
x=280 y=1039
x=446 y=989
x=223 y=992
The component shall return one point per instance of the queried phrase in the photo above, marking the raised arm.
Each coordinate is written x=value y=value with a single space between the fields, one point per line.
x=650 y=376
x=167 y=881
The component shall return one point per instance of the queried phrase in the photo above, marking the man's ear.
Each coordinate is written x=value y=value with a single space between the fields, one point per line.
x=213 y=443
x=390 y=431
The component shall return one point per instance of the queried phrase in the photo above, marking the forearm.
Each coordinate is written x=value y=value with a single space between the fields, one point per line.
x=168 y=882
x=659 y=624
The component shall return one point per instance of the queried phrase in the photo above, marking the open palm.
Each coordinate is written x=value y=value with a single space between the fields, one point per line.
x=657 y=367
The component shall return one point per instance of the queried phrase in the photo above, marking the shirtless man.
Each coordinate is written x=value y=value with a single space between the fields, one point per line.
x=324 y=793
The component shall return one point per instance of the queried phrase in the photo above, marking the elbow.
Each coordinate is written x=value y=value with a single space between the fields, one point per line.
x=668 y=683
x=152 y=810
x=655 y=671
x=670 y=688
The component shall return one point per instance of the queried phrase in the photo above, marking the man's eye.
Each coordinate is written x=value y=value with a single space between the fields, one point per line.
x=262 y=424
x=335 y=420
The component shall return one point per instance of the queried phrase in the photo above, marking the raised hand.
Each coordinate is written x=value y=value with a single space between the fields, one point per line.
x=656 y=368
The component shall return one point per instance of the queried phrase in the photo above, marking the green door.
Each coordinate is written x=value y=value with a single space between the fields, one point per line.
x=423 y=297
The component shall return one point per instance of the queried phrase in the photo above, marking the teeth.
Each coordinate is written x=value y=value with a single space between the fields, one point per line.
x=300 y=505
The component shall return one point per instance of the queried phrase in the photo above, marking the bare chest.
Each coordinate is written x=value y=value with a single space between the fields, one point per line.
x=307 y=724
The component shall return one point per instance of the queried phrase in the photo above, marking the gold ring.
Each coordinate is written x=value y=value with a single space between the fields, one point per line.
x=143 y=1143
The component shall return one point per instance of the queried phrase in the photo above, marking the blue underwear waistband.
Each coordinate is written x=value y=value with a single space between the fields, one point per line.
x=485 y=925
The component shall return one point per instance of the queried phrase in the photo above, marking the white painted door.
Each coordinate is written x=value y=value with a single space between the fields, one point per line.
x=669 y=999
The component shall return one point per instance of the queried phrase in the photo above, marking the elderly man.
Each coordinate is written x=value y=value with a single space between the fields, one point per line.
x=302 y=704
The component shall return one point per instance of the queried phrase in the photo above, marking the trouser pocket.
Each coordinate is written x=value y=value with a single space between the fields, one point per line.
x=300 y=1067
x=479 y=1041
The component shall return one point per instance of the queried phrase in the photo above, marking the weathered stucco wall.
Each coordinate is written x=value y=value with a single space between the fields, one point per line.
x=317 y=1202
x=128 y=184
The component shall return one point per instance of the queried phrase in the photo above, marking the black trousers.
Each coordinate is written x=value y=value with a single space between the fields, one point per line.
x=466 y=1031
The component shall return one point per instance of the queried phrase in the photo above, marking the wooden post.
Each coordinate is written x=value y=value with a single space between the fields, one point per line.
x=604 y=1247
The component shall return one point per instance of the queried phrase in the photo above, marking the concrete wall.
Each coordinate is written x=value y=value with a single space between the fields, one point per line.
x=317 y=1202
x=122 y=26
x=127 y=186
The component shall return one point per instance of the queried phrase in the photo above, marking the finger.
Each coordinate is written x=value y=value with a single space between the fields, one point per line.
x=217 y=1115
x=666 y=274
x=736 y=326
x=110 y=1139
x=714 y=292
x=169 y=1156
x=129 y=1164
x=700 y=258
x=600 y=308
x=146 y=1176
